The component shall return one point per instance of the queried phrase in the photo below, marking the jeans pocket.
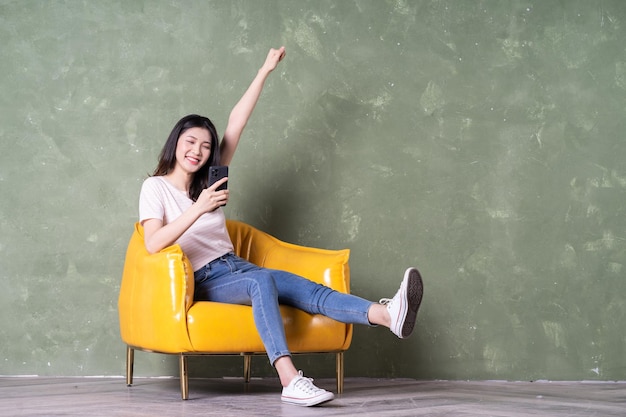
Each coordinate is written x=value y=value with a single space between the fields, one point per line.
x=201 y=274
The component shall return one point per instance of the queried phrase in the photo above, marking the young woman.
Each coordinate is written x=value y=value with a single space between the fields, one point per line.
x=177 y=205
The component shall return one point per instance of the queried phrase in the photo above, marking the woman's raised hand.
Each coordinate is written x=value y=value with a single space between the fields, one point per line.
x=274 y=56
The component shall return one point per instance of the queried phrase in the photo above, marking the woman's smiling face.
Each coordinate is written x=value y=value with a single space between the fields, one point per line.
x=193 y=149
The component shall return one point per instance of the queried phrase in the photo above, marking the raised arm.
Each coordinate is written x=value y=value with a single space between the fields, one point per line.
x=242 y=111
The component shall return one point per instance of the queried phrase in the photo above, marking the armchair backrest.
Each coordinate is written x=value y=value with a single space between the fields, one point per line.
x=328 y=267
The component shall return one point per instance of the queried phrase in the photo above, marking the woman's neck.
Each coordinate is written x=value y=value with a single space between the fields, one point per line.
x=182 y=182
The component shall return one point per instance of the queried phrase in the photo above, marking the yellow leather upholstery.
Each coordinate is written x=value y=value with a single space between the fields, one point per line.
x=157 y=312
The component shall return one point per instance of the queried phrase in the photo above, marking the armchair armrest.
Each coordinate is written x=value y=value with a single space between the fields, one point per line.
x=155 y=294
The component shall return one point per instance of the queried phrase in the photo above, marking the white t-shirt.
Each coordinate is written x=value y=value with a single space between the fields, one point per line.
x=207 y=239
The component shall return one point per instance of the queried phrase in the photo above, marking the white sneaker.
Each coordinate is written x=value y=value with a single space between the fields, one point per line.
x=404 y=305
x=301 y=391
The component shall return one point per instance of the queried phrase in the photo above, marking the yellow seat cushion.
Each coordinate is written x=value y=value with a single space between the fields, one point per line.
x=227 y=328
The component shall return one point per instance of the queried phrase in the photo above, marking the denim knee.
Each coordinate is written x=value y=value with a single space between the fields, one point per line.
x=263 y=283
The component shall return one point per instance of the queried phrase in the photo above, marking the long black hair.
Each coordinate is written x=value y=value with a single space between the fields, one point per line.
x=167 y=157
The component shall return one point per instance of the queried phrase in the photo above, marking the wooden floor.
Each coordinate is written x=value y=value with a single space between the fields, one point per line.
x=39 y=396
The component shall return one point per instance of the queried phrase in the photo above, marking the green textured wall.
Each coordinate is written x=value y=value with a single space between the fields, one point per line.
x=481 y=140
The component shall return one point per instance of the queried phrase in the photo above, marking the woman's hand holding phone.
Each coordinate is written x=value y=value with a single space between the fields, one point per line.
x=213 y=197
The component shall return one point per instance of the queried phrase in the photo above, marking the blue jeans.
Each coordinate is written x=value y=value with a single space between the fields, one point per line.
x=231 y=279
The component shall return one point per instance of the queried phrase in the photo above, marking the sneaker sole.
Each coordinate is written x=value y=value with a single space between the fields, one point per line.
x=309 y=402
x=414 y=293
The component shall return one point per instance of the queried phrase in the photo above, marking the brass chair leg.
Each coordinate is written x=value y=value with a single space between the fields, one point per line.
x=184 y=381
x=340 y=373
x=247 y=364
x=130 y=364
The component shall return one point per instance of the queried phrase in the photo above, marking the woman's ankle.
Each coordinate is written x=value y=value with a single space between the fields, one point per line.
x=286 y=370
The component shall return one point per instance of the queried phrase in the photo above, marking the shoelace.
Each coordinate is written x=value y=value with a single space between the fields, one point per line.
x=306 y=384
x=387 y=301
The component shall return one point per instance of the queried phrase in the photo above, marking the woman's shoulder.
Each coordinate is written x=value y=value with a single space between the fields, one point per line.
x=152 y=179
x=153 y=183
x=160 y=185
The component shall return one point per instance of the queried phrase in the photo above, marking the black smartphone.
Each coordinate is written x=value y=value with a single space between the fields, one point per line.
x=216 y=173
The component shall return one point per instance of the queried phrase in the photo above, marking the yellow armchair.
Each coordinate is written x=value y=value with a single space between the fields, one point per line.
x=157 y=312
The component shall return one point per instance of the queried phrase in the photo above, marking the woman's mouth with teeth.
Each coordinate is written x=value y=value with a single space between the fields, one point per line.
x=194 y=161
